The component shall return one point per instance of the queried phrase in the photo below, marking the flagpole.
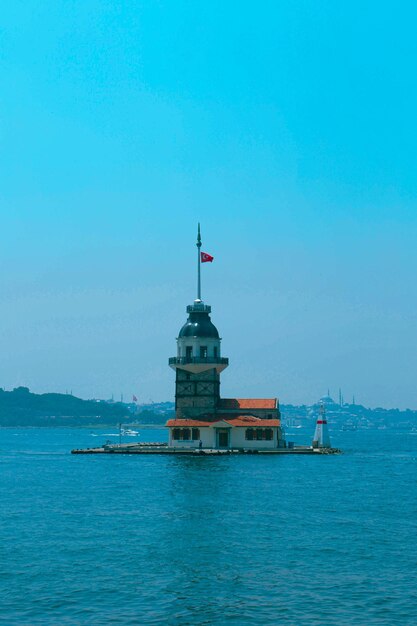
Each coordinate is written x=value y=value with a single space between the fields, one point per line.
x=198 y=265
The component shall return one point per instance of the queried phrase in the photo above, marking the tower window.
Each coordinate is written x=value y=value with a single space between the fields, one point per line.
x=215 y=352
x=203 y=352
x=189 y=352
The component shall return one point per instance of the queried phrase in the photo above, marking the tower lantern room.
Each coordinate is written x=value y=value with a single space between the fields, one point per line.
x=198 y=342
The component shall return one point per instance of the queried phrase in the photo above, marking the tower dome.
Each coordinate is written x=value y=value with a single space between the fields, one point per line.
x=199 y=323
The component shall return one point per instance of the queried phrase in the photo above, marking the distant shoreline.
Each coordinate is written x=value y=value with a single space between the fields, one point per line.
x=88 y=426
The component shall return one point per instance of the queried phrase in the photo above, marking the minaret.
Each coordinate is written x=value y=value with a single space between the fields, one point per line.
x=321 y=436
x=198 y=362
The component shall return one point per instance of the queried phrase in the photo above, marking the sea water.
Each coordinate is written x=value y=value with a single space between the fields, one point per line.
x=208 y=540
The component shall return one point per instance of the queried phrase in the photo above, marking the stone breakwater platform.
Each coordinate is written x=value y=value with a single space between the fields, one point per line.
x=162 y=448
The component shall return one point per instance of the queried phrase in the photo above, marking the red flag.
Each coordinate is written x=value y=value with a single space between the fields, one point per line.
x=134 y=399
x=206 y=258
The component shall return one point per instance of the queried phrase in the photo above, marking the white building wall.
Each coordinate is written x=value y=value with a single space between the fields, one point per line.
x=196 y=343
x=207 y=436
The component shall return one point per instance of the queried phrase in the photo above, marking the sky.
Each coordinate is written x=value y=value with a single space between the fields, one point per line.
x=288 y=129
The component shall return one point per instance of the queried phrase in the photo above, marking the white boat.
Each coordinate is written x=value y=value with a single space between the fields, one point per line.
x=128 y=432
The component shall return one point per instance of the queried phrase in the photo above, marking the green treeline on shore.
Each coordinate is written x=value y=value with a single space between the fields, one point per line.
x=20 y=407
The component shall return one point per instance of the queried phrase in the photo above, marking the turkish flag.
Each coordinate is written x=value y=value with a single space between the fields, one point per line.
x=206 y=258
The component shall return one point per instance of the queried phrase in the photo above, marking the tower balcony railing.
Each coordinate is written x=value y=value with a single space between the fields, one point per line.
x=186 y=360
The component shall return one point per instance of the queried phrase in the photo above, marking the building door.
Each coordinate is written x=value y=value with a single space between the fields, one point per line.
x=223 y=438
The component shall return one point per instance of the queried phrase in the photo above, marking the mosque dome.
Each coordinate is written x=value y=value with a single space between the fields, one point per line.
x=326 y=400
x=198 y=324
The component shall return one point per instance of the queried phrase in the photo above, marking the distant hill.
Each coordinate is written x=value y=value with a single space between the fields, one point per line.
x=20 y=407
x=154 y=413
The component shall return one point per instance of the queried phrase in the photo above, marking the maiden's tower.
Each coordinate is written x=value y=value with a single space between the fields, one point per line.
x=204 y=422
x=202 y=418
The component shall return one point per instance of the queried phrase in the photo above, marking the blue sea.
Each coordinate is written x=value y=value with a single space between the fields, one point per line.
x=223 y=540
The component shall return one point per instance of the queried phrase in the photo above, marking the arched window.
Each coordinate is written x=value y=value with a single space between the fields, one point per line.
x=176 y=434
x=268 y=434
x=259 y=434
x=249 y=434
x=186 y=434
x=196 y=434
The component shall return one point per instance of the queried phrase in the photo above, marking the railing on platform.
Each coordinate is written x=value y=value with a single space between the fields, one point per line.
x=185 y=360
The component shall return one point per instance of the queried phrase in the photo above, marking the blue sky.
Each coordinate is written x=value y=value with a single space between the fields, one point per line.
x=288 y=129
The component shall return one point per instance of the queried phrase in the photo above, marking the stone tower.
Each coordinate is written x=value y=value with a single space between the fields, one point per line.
x=198 y=362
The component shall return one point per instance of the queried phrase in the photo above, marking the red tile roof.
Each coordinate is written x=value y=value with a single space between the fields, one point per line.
x=239 y=420
x=248 y=403
x=243 y=421
x=191 y=423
